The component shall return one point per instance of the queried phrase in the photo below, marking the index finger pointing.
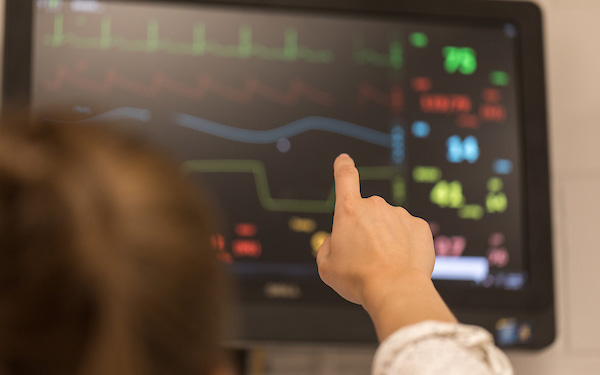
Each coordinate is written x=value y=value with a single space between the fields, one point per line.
x=347 y=182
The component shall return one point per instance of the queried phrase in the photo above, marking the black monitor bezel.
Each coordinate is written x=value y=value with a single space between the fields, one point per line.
x=538 y=296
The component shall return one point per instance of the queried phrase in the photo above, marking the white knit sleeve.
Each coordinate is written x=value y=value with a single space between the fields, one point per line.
x=434 y=348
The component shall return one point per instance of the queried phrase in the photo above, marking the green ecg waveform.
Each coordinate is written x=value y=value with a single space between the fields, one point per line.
x=200 y=46
x=257 y=168
x=394 y=58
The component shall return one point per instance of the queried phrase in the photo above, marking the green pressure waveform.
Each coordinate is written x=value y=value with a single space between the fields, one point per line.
x=200 y=46
x=394 y=58
x=257 y=168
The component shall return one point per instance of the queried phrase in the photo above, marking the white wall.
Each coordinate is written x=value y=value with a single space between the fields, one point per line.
x=573 y=74
x=573 y=71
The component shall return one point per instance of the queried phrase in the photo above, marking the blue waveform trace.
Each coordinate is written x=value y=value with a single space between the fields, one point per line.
x=121 y=113
x=287 y=131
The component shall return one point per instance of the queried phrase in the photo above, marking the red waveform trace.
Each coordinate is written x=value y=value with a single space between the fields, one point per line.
x=205 y=84
x=446 y=103
x=394 y=99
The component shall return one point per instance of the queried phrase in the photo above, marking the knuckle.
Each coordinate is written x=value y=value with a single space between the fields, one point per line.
x=403 y=212
x=377 y=200
x=422 y=224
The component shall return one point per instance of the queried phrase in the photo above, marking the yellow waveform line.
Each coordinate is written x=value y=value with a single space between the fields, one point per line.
x=257 y=168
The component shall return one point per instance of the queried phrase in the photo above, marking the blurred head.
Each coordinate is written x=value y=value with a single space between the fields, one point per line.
x=105 y=259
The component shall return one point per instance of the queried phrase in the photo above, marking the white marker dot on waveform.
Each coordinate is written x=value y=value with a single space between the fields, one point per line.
x=284 y=145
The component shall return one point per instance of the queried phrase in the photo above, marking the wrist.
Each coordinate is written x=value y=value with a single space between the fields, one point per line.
x=394 y=303
x=382 y=287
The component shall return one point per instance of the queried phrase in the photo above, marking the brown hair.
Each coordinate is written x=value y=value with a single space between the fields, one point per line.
x=105 y=258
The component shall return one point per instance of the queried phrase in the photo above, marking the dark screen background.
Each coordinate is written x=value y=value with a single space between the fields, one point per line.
x=256 y=105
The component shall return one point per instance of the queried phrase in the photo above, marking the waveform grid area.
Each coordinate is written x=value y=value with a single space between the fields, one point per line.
x=286 y=131
x=257 y=168
x=291 y=51
x=205 y=84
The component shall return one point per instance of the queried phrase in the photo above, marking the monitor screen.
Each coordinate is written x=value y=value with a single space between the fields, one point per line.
x=441 y=107
x=258 y=104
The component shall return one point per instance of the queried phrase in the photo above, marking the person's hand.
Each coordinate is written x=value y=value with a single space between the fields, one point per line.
x=371 y=241
x=377 y=253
